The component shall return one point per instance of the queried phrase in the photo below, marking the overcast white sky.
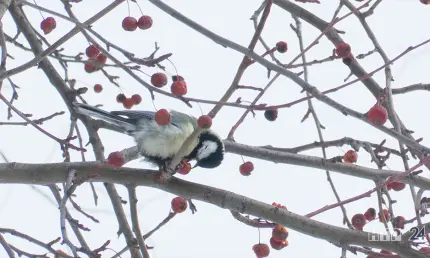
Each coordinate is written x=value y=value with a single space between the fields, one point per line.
x=209 y=69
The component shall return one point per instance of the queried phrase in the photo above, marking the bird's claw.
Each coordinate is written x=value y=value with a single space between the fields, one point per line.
x=162 y=177
x=165 y=174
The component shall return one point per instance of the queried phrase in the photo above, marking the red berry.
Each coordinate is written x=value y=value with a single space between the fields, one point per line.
x=144 y=22
x=92 y=51
x=271 y=114
x=120 y=98
x=282 y=46
x=159 y=80
x=279 y=233
x=60 y=252
x=386 y=215
x=116 y=159
x=136 y=99
x=261 y=250
x=389 y=187
x=278 y=245
x=425 y=2
x=377 y=115
x=98 y=88
x=246 y=168
x=350 y=156
x=48 y=25
x=89 y=68
x=101 y=58
x=179 y=88
x=425 y=250
x=343 y=49
x=179 y=204
x=370 y=214
x=278 y=205
x=399 y=222
x=204 y=122
x=162 y=117
x=129 y=23
x=358 y=221
x=128 y=103
x=177 y=78
x=185 y=168
x=397 y=186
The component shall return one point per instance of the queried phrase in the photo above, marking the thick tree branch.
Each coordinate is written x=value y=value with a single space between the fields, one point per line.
x=215 y=196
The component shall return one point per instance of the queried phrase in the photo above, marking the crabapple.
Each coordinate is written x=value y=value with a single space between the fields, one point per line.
x=116 y=159
x=246 y=168
x=204 y=122
x=162 y=117
x=179 y=204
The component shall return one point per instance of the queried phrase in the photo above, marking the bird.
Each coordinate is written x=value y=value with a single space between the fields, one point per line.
x=158 y=144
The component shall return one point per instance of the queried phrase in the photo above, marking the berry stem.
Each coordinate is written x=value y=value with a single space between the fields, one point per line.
x=139 y=8
x=83 y=83
x=173 y=66
x=39 y=10
x=242 y=158
x=259 y=235
x=128 y=7
x=200 y=107
x=153 y=104
x=113 y=251
x=341 y=150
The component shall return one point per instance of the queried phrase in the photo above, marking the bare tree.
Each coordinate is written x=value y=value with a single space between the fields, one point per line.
x=104 y=56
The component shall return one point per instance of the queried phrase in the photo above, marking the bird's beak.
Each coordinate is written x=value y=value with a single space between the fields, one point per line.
x=196 y=165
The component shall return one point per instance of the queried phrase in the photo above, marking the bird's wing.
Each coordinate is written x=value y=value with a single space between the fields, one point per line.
x=135 y=115
x=180 y=118
x=177 y=117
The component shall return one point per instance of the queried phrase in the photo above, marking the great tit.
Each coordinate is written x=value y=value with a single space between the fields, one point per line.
x=158 y=144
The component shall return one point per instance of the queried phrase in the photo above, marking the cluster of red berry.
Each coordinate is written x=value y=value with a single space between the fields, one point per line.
x=130 y=23
x=359 y=220
x=96 y=60
x=128 y=103
x=278 y=240
x=278 y=205
x=178 y=87
x=377 y=115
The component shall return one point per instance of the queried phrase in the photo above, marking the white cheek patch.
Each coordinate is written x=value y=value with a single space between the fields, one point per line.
x=208 y=147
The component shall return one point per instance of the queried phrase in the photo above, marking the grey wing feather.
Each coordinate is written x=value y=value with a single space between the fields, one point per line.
x=177 y=117
x=180 y=118
x=135 y=115
x=126 y=124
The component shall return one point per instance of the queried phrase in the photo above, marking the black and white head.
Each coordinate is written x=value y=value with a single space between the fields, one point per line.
x=209 y=153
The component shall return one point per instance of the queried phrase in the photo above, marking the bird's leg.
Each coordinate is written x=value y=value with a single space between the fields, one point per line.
x=164 y=174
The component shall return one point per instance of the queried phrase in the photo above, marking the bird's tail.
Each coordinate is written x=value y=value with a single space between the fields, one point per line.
x=126 y=124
